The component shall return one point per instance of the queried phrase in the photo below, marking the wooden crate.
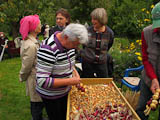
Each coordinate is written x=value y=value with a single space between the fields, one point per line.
x=92 y=81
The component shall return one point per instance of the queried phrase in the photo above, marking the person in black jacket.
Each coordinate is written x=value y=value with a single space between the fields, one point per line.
x=3 y=39
x=44 y=31
x=62 y=20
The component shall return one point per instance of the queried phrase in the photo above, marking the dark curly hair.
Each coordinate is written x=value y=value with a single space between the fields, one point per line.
x=64 y=13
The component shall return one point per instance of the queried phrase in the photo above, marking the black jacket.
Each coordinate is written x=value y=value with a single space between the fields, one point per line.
x=54 y=29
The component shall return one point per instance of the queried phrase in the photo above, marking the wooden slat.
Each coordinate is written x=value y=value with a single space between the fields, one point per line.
x=91 y=81
x=68 y=107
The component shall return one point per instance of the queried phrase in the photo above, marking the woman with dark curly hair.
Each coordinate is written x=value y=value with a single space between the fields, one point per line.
x=62 y=20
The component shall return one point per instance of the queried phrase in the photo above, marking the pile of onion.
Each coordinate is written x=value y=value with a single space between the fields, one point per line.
x=153 y=102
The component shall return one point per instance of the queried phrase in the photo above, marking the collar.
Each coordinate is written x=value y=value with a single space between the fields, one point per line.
x=60 y=27
x=32 y=38
x=100 y=32
x=59 y=45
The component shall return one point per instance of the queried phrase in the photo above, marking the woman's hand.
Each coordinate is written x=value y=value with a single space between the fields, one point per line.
x=154 y=85
x=75 y=73
x=74 y=80
x=76 y=77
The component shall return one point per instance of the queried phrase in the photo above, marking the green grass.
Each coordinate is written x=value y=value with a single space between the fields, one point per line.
x=14 y=104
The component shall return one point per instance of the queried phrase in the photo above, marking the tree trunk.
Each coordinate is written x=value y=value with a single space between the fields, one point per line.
x=15 y=29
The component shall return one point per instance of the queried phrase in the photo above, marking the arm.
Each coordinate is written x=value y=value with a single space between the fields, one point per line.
x=111 y=40
x=28 y=59
x=50 y=31
x=148 y=66
x=75 y=73
x=69 y=81
x=45 y=64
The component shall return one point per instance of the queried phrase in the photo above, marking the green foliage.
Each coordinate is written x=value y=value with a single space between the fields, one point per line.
x=13 y=10
x=81 y=9
x=126 y=17
x=125 y=55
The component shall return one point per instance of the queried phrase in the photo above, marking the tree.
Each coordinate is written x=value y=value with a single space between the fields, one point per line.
x=81 y=9
x=12 y=11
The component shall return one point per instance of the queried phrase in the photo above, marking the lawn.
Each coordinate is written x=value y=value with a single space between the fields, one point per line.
x=14 y=104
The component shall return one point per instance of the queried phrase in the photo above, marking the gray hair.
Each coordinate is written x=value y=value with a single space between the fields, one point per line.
x=100 y=14
x=74 y=31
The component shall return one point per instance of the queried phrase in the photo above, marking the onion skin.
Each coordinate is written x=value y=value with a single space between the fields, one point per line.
x=155 y=97
x=158 y=90
x=153 y=106
x=155 y=102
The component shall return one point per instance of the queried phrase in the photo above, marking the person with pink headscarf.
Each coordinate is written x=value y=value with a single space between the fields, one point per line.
x=30 y=26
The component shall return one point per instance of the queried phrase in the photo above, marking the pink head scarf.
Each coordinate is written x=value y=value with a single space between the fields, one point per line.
x=28 y=24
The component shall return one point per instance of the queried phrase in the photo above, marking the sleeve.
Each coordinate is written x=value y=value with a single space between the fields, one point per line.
x=28 y=59
x=147 y=65
x=52 y=31
x=111 y=40
x=45 y=62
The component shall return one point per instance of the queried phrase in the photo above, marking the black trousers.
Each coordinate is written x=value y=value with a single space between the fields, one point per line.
x=36 y=110
x=57 y=108
x=90 y=69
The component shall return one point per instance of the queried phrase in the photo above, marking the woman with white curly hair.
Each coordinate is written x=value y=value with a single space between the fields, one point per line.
x=55 y=68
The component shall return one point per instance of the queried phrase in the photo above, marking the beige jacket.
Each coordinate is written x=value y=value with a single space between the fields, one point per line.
x=28 y=53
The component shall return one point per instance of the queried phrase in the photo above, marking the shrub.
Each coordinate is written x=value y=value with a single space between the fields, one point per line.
x=125 y=55
x=127 y=18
